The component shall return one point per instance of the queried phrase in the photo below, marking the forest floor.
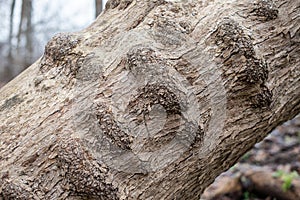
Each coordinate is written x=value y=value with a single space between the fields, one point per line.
x=267 y=172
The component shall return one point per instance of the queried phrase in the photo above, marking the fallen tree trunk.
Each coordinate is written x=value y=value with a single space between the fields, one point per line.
x=152 y=101
x=265 y=183
x=258 y=181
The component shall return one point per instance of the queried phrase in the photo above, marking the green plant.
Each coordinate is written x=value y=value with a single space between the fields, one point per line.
x=287 y=178
x=234 y=167
x=246 y=156
x=246 y=195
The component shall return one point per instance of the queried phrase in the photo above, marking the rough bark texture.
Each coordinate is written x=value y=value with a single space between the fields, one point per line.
x=152 y=101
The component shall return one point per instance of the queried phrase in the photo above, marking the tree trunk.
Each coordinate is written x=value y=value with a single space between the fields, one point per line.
x=21 y=23
x=11 y=23
x=98 y=7
x=26 y=30
x=29 y=35
x=152 y=101
x=8 y=71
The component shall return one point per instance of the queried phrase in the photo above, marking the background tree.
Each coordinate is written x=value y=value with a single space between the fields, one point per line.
x=8 y=70
x=24 y=33
x=26 y=30
x=98 y=6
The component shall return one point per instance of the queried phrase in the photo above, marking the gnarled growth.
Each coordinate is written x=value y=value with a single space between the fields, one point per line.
x=152 y=101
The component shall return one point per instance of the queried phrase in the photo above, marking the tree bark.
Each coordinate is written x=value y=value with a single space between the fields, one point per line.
x=26 y=30
x=29 y=34
x=152 y=101
x=11 y=22
x=8 y=71
x=98 y=7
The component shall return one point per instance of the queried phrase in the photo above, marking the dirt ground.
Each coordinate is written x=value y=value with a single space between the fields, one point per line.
x=267 y=172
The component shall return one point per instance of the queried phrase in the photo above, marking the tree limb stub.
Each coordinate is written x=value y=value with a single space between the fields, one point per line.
x=152 y=101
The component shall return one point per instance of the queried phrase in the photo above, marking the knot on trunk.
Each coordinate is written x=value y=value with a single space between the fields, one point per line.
x=85 y=176
x=265 y=10
x=10 y=190
x=156 y=94
x=120 y=4
x=156 y=104
x=243 y=68
x=140 y=56
x=60 y=56
x=110 y=127
x=236 y=49
x=263 y=98
x=145 y=114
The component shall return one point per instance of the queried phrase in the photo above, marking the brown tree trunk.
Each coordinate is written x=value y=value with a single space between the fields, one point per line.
x=152 y=101
x=11 y=23
x=29 y=34
x=8 y=71
x=26 y=30
x=98 y=7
